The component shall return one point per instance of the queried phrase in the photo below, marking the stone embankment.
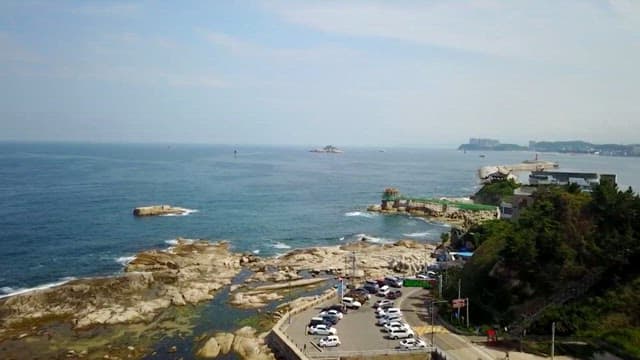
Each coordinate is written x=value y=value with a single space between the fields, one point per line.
x=157 y=210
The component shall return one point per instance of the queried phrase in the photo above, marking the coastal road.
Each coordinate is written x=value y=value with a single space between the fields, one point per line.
x=417 y=314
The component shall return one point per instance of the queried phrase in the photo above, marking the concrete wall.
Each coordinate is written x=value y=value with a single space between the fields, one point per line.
x=278 y=340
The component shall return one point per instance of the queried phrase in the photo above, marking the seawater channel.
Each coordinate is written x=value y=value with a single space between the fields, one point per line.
x=218 y=315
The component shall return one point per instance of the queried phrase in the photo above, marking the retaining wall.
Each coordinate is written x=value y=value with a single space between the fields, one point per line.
x=278 y=340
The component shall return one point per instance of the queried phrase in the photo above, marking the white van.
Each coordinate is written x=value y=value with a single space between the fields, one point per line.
x=351 y=303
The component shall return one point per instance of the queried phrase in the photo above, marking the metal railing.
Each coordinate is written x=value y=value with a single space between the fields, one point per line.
x=330 y=354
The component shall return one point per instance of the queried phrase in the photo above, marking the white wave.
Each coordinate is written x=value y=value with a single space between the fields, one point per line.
x=8 y=290
x=185 y=212
x=125 y=260
x=341 y=239
x=417 y=234
x=174 y=242
x=279 y=245
x=257 y=251
x=373 y=239
x=360 y=213
x=12 y=292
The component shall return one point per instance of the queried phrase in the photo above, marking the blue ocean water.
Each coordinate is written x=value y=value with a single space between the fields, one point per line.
x=66 y=209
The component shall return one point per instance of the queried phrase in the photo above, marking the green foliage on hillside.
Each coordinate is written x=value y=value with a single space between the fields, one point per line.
x=494 y=193
x=566 y=240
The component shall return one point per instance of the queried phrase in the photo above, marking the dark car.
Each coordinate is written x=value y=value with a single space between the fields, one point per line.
x=394 y=294
x=330 y=319
x=393 y=281
x=371 y=286
x=337 y=307
x=318 y=321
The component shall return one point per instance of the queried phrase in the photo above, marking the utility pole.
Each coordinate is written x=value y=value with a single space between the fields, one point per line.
x=459 y=295
x=289 y=296
x=426 y=256
x=354 y=267
x=553 y=338
x=432 y=324
x=440 y=286
x=467 y=305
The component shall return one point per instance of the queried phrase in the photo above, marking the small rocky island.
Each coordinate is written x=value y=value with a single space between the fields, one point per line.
x=328 y=149
x=458 y=212
x=159 y=210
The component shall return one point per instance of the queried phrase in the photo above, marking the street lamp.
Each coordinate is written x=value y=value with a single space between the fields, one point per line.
x=433 y=319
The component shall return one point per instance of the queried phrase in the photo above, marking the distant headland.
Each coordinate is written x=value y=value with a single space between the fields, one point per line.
x=574 y=146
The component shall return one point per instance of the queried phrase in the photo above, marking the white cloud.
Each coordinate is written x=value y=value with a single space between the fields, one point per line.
x=244 y=48
x=108 y=9
x=568 y=32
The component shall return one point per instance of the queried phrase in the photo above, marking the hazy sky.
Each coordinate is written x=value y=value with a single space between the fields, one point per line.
x=422 y=72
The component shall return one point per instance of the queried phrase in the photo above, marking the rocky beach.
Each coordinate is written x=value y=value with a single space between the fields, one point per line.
x=77 y=319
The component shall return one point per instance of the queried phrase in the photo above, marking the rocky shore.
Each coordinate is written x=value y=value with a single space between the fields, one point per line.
x=189 y=273
x=450 y=215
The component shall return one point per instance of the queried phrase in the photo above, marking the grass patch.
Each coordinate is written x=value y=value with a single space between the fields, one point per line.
x=261 y=322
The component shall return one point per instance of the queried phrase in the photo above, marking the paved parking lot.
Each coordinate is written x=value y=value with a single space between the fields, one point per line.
x=357 y=330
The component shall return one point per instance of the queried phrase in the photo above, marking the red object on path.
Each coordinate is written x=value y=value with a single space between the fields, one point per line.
x=491 y=335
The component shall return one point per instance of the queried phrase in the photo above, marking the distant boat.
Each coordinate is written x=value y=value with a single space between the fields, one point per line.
x=482 y=155
x=328 y=149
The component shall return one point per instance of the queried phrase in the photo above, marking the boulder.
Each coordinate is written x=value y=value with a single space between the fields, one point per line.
x=225 y=341
x=210 y=350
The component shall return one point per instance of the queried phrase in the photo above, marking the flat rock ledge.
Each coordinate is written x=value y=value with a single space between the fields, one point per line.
x=157 y=210
x=188 y=273
x=372 y=260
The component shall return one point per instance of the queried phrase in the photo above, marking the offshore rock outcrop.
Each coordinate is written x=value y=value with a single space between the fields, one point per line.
x=157 y=210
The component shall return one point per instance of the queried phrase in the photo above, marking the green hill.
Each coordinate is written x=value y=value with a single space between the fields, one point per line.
x=571 y=257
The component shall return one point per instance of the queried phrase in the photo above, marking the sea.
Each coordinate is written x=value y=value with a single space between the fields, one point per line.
x=66 y=208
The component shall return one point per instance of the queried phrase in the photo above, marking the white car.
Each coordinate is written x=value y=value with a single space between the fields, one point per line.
x=322 y=329
x=388 y=319
x=331 y=340
x=389 y=311
x=351 y=303
x=395 y=325
x=400 y=334
x=411 y=343
x=428 y=275
x=384 y=290
x=382 y=303
x=333 y=313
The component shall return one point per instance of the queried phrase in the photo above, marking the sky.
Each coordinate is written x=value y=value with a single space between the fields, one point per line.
x=369 y=73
